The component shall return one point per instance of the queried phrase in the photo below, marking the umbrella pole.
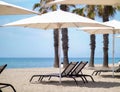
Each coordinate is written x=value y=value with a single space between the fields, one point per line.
x=113 y=52
x=59 y=54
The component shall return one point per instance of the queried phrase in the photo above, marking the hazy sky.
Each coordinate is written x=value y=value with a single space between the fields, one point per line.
x=28 y=42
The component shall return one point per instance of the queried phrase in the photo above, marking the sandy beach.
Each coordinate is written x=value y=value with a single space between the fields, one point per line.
x=19 y=78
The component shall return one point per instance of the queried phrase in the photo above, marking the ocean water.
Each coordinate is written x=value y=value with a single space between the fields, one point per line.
x=42 y=62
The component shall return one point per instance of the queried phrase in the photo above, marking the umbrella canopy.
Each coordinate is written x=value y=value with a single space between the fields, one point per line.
x=114 y=23
x=113 y=29
x=9 y=9
x=89 y=2
x=57 y=19
x=98 y=30
x=118 y=36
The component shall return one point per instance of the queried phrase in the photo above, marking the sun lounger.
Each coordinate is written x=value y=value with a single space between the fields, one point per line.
x=65 y=73
x=78 y=72
x=98 y=72
x=2 y=68
x=4 y=85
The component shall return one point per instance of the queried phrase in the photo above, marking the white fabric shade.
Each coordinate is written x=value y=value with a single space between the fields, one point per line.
x=98 y=30
x=114 y=28
x=118 y=36
x=10 y=9
x=56 y=19
x=114 y=23
x=89 y=2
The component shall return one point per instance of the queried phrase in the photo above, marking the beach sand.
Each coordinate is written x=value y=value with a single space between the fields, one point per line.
x=19 y=78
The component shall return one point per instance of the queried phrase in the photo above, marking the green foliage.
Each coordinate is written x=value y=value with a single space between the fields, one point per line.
x=87 y=11
x=92 y=11
x=118 y=8
x=41 y=6
x=36 y=5
x=79 y=11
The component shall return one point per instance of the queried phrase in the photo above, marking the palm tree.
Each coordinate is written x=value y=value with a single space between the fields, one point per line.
x=64 y=33
x=89 y=11
x=43 y=9
x=105 y=12
x=91 y=14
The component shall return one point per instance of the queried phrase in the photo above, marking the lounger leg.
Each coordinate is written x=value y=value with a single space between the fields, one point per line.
x=99 y=73
x=49 y=78
x=82 y=79
x=12 y=87
x=93 y=73
x=90 y=77
x=85 y=79
x=7 y=85
x=31 y=79
x=39 y=78
x=75 y=81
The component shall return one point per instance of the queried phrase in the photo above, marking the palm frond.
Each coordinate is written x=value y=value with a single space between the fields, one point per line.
x=79 y=11
x=111 y=11
x=118 y=8
x=36 y=5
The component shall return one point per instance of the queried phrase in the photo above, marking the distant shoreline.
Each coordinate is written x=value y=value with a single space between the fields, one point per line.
x=43 y=62
x=53 y=57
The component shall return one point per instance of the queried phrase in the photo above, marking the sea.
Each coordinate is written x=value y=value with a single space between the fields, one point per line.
x=43 y=62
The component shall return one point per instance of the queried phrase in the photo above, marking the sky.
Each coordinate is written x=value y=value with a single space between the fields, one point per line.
x=29 y=42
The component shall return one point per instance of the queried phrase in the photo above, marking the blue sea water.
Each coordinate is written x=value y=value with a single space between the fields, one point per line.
x=42 y=62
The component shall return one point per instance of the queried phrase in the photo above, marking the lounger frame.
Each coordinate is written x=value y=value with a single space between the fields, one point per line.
x=65 y=73
x=4 y=85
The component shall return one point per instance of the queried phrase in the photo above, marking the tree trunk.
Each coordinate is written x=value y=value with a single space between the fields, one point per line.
x=92 y=40
x=56 y=43
x=106 y=38
x=65 y=41
x=65 y=46
x=92 y=44
x=105 y=48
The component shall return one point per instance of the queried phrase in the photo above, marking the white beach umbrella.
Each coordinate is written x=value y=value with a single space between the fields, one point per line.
x=118 y=36
x=57 y=19
x=10 y=9
x=97 y=30
x=114 y=28
x=89 y=2
x=115 y=24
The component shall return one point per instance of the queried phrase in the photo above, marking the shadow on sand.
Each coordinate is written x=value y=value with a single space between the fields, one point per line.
x=90 y=84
